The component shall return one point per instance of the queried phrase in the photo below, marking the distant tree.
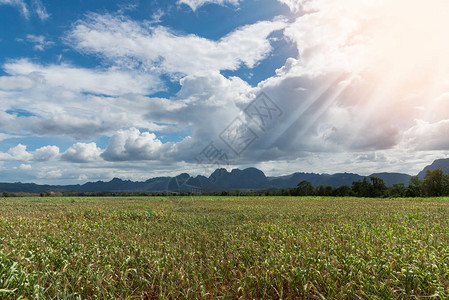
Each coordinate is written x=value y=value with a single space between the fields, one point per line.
x=343 y=191
x=305 y=188
x=8 y=194
x=436 y=183
x=414 y=188
x=378 y=189
x=398 y=190
x=362 y=188
x=375 y=187
x=324 y=190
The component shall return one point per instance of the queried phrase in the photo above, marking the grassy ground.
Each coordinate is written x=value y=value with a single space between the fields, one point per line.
x=223 y=247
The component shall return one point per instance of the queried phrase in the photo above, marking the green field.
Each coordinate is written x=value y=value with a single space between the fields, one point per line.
x=224 y=247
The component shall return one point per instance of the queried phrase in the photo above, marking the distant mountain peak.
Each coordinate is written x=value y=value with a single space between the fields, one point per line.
x=442 y=163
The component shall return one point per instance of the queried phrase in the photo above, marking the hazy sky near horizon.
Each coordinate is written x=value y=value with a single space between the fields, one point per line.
x=91 y=90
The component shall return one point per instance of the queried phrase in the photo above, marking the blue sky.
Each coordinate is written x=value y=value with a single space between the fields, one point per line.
x=91 y=90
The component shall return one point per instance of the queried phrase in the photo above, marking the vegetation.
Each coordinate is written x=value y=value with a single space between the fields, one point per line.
x=435 y=184
x=229 y=247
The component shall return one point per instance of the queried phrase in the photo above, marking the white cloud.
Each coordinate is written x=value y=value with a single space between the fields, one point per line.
x=8 y=122
x=295 y=5
x=49 y=173
x=40 y=10
x=8 y=83
x=428 y=136
x=110 y=82
x=37 y=7
x=39 y=41
x=156 y=18
x=66 y=111
x=25 y=167
x=157 y=48
x=83 y=177
x=133 y=145
x=82 y=153
x=66 y=124
x=4 y=136
x=19 y=153
x=195 y=4
x=46 y=153
x=58 y=112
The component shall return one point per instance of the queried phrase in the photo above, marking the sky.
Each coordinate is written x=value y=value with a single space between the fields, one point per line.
x=92 y=90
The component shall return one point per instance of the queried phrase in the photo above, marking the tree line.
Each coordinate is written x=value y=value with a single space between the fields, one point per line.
x=434 y=184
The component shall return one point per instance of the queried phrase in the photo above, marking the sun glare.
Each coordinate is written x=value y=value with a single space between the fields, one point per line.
x=409 y=43
x=401 y=47
x=394 y=56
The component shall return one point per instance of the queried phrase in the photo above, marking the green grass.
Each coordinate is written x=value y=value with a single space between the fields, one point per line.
x=224 y=247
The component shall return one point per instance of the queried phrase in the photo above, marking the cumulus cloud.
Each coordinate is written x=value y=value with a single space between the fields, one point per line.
x=133 y=145
x=46 y=153
x=208 y=104
x=195 y=4
x=19 y=153
x=206 y=101
x=122 y=40
x=82 y=153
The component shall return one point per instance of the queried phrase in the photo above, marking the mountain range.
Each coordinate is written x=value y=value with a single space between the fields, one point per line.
x=220 y=180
